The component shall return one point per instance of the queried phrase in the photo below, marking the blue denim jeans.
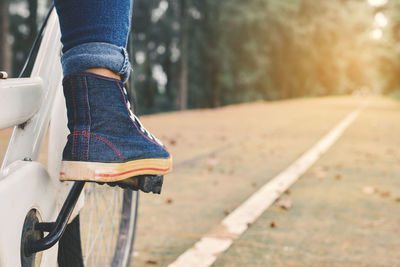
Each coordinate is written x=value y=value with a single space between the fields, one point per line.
x=94 y=34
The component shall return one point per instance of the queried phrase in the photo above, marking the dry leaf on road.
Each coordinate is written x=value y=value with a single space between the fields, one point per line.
x=284 y=203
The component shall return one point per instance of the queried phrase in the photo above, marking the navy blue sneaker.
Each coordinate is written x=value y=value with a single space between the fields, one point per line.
x=107 y=142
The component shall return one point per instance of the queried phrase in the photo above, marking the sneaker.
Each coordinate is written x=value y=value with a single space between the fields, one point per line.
x=107 y=142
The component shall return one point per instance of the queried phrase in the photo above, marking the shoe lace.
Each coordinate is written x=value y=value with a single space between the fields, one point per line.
x=136 y=119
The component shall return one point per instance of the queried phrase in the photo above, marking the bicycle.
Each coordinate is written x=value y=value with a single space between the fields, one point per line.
x=35 y=192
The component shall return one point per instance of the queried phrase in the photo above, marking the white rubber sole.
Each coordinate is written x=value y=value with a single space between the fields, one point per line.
x=112 y=172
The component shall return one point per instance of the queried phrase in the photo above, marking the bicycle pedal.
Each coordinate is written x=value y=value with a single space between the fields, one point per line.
x=145 y=183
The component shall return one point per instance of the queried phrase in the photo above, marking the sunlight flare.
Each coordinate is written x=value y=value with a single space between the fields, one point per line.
x=377 y=2
x=376 y=34
x=381 y=20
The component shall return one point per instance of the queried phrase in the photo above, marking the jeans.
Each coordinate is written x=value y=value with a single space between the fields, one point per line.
x=94 y=34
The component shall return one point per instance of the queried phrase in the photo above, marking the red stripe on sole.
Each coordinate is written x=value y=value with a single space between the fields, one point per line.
x=130 y=171
x=122 y=173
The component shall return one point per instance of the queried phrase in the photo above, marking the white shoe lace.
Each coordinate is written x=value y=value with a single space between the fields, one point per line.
x=142 y=128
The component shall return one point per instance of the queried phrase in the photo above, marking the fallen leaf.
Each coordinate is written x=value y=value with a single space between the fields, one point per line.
x=211 y=163
x=273 y=224
x=172 y=142
x=227 y=212
x=284 y=203
x=385 y=194
x=169 y=200
x=151 y=262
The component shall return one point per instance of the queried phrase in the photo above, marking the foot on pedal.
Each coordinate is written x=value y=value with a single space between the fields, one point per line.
x=107 y=142
x=145 y=183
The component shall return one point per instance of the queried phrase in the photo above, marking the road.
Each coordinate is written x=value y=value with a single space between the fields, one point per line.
x=343 y=211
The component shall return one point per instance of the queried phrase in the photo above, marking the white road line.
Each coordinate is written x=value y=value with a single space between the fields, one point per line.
x=208 y=248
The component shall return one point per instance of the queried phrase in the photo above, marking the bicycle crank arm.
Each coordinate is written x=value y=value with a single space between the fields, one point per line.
x=56 y=229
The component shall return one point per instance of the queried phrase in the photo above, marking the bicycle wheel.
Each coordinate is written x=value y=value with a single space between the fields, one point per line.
x=104 y=232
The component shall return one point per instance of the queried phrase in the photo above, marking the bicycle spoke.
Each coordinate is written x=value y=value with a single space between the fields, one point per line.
x=115 y=196
x=101 y=222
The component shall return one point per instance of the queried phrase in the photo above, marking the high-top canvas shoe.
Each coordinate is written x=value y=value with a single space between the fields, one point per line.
x=107 y=142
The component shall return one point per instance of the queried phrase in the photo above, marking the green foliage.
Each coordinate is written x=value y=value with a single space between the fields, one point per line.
x=237 y=51
x=25 y=19
x=395 y=95
x=259 y=49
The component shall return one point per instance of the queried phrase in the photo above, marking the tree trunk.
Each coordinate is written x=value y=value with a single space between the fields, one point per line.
x=183 y=73
x=32 y=19
x=183 y=83
x=213 y=39
x=5 y=47
x=168 y=69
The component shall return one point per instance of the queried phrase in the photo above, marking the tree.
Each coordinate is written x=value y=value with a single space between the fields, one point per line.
x=5 y=48
x=216 y=53
x=183 y=71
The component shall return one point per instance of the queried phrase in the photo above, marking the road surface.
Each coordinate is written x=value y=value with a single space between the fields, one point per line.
x=343 y=211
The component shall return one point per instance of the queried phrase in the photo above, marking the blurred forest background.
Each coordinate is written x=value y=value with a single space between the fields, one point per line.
x=208 y=53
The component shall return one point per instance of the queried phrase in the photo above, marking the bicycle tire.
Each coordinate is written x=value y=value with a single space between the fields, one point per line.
x=76 y=249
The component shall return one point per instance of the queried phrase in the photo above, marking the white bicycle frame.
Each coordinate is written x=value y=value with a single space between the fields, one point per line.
x=29 y=104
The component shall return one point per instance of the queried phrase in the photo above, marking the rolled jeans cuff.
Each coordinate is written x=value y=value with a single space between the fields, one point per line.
x=96 y=55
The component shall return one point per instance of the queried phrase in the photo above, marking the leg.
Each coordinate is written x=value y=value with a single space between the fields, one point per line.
x=94 y=35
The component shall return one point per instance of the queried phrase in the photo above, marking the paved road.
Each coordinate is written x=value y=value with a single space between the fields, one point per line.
x=345 y=211
x=223 y=156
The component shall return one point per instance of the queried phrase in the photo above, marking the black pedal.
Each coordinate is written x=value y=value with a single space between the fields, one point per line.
x=145 y=183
